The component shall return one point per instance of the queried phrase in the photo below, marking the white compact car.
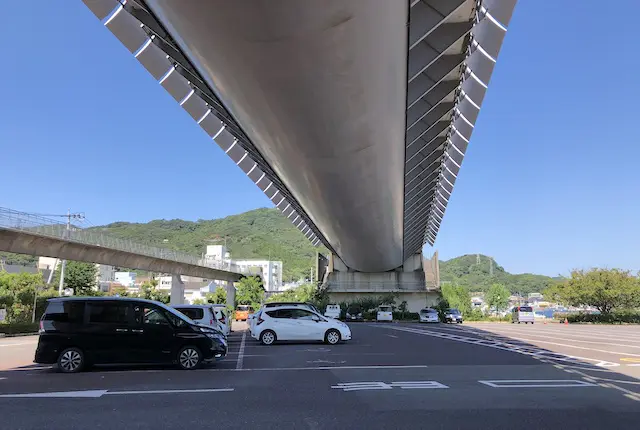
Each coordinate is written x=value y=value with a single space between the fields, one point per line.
x=295 y=323
x=202 y=314
x=222 y=315
x=332 y=311
x=385 y=313
x=428 y=315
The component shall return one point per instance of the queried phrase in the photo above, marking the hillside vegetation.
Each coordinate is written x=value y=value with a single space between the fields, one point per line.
x=474 y=271
x=261 y=233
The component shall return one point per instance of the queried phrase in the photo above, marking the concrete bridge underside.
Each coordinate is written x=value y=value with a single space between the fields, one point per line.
x=353 y=117
x=21 y=242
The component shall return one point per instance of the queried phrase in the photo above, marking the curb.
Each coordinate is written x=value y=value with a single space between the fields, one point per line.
x=17 y=334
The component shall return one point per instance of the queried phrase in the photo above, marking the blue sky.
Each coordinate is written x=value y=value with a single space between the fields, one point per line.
x=550 y=181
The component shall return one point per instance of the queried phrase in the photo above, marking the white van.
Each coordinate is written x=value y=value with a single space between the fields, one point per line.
x=385 y=313
x=522 y=314
x=332 y=311
x=202 y=314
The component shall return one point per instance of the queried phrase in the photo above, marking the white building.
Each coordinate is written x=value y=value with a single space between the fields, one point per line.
x=126 y=279
x=271 y=272
x=105 y=273
x=48 y=263
x=194 y=288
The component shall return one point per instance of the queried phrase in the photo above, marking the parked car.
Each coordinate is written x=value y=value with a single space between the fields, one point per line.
x=242 y=312
x=304 y=305
x=453 y=316
x=253 y=321
x=332 y=311
x=201 y=314
x=294 y=323
x=428 y=315
x=354 y=313
x=222 y=315
x=522 y=314
x=76 y=332
x=385 y=313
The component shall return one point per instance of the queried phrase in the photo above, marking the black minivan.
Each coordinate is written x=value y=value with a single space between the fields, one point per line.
x=77 y=332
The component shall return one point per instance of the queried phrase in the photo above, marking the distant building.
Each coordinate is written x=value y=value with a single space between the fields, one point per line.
x=14 y=268
x=271 y=272
x=127 y=279
x=48 y=263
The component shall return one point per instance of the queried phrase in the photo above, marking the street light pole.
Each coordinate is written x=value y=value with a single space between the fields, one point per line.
x=67 y=235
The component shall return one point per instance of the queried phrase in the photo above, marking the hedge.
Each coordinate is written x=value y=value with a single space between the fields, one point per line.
x=619 y=317
x=19 y=328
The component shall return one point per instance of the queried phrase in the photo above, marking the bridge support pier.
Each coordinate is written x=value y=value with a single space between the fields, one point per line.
x=408 y=283
x=177 y=290
x=231 y=295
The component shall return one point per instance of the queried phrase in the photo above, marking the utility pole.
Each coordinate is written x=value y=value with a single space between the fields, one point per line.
x=69 y=215
x=490 y=266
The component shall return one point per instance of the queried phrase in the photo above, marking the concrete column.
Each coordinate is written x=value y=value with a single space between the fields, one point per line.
x=177 y=290
x=231 y=295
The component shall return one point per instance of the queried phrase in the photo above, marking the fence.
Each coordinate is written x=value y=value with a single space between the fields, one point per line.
x=42 y=226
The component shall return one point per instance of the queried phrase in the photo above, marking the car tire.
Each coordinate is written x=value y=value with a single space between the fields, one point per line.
x=189 y=357
x=332 y=337
x=268 y=337
x=71 y=360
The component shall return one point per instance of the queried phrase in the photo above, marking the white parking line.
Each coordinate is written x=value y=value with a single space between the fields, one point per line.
x=239 y=363
x=537 y=383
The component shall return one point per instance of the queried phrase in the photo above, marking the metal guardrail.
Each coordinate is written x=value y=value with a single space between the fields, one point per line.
x=42 y=226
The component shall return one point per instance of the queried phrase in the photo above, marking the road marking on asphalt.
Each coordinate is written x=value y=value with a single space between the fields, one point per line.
x=362 y=386
x=393 y=336
x=378 y=385
x=535 y=352
x=2 y=379
x=631 y=359
x=537 y=383
x=241 y=352
x=276 y=369
x=99 y=393
x=410 y=385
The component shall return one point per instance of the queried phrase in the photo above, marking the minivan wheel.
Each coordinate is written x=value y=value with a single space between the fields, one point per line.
x=189 y=358
x=71 y=360
x=332 y=337
x=267 y=337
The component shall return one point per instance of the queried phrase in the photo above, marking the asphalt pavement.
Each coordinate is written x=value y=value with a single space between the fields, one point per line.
x=388 y=376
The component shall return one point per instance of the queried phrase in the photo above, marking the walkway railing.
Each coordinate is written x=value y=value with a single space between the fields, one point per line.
x=43 y=226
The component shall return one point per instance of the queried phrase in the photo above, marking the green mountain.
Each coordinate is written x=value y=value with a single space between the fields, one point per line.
x=261 y=233
x=477 y=272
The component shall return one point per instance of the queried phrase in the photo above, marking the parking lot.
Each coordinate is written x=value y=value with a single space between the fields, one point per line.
x=390 y=375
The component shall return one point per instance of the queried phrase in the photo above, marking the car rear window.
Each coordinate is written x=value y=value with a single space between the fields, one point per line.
x=526 y=309
x=64 y=311
x=385 y=308
x=427 y=311
x=193 y=313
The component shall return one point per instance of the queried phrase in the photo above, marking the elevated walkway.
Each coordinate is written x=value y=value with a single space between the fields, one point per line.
x=22 y=233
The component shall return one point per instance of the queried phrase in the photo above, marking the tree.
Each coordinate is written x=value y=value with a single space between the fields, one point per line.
x=455 y=296
x=604 y=289
x=250 y=291
x=149 y=291
x=198 y=302
x=80 y=277
x=17 y=295
x=219 y=296
x=497 y=297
